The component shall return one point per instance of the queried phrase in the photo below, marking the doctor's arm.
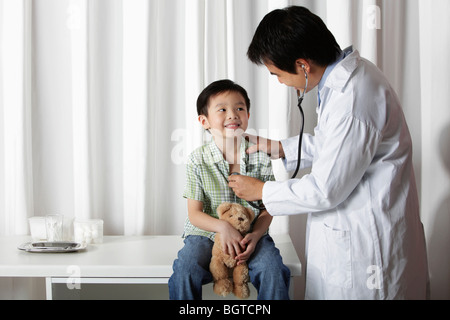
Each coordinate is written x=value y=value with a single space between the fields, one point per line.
x=346 y=152
x=285 y=149
x=272 y=148
x=251 y=189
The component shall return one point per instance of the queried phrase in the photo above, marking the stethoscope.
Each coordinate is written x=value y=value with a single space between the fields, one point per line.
x=300 y=97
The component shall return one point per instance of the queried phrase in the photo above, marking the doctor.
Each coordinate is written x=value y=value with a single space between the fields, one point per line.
x=364 y=238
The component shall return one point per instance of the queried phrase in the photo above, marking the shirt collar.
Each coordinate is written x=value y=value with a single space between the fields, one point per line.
x=217 y=156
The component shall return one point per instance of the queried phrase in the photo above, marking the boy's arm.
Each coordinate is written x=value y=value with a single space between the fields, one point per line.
x=200 y=219
x=262 y=224
x=230 y=236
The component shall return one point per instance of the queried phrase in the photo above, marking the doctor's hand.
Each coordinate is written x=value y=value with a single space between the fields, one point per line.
x=273 y=148
x=246 y=188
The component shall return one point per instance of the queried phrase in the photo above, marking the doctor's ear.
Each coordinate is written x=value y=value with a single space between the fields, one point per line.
x=302 y=63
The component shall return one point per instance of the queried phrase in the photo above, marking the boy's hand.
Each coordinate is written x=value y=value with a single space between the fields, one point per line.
x=231 y=240
x=246 y=188
x=249 y=241
x=273 y=148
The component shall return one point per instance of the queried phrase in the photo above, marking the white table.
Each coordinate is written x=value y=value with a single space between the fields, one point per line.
x=118 y=260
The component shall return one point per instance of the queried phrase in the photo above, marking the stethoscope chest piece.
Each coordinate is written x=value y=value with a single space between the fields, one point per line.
x=256 y=206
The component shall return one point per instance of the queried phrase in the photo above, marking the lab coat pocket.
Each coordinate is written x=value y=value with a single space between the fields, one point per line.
x=338 y=257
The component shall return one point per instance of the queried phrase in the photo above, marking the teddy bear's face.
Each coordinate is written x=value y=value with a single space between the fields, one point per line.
x=237 y=215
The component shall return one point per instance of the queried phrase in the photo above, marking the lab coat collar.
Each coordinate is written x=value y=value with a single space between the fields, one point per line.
x=340 y=75
x=329 y=69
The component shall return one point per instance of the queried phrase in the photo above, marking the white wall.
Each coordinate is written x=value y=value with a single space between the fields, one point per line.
x=435 y=116
x=420 y=77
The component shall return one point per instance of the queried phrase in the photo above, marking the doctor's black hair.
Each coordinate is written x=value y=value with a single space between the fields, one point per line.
x=285 y=35
x=216 y=88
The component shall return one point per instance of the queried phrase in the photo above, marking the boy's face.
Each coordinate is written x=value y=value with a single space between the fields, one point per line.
x=227 y=115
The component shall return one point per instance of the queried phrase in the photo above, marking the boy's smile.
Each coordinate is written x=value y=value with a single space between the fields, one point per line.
x=233 y=126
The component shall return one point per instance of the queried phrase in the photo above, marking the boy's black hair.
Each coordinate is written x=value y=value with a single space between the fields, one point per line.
x=216 y=88
x=285 y=35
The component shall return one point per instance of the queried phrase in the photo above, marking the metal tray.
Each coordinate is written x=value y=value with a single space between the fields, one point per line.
x=52 y=247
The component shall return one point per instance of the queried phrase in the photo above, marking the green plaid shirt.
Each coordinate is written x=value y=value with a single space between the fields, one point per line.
x=207 y=175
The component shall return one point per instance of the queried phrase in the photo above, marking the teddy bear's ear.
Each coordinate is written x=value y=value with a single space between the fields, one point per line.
x=223 y=208
x=251 y=214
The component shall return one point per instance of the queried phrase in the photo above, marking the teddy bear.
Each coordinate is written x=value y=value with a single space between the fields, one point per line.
x=223 y=266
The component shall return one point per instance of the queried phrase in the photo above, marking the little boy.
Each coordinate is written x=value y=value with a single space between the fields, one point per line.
x=223 y=109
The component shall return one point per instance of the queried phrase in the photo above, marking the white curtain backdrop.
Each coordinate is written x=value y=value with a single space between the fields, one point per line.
x=97 y=105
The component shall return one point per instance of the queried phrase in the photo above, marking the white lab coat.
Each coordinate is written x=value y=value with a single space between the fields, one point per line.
x=365 y=239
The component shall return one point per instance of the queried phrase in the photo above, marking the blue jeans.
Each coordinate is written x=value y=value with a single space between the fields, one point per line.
x=191 y=270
